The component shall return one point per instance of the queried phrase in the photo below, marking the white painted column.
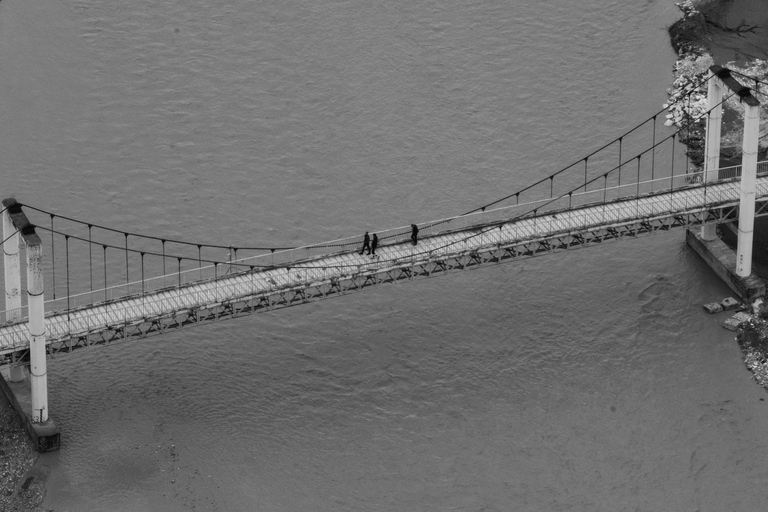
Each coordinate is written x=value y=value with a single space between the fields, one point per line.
x=12 y=263
x=748 y=181
x=37 y=365
x=712 y=143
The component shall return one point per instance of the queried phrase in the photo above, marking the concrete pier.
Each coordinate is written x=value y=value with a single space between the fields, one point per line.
x=734 y=269
x=722 y=260
x=45 y=435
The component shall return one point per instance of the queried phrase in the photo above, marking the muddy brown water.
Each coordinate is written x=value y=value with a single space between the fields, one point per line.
x=588 y=380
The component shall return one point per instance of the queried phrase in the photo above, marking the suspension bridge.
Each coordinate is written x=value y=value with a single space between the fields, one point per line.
x=637 y=184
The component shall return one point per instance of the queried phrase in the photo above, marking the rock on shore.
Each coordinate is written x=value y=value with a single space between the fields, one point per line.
x=753 y=340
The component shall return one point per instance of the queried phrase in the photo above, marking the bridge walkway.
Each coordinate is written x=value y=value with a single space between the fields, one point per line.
x=235 y=292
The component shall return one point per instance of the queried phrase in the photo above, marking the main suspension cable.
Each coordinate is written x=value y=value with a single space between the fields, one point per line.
x=163 y=240
x=151 y=237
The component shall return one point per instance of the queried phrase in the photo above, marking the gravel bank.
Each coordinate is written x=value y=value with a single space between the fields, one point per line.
x=21 y=487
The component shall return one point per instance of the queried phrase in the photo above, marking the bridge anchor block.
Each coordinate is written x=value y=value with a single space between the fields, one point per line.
x=45 y=435
x=722 y=260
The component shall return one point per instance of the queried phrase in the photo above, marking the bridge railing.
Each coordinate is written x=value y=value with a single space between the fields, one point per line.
x=304 y=273
x=595 y=194
x=251 y=285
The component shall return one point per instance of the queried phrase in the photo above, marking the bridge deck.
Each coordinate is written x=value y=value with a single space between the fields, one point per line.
x=340 y=272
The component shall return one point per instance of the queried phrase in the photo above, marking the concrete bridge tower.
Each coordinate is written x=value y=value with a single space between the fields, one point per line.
x=30 y=400
x=738 y=275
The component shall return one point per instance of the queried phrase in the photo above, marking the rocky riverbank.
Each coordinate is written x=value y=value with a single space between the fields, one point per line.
x=753 y=340
x=20 y=489
x=732 y=33
x=727 y=30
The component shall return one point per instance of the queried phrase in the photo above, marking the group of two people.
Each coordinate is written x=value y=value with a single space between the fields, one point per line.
x=371 y=246
x=367 y=244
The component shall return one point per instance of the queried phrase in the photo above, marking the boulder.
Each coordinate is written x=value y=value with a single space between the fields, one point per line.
x=733 y=323
x=713 y=307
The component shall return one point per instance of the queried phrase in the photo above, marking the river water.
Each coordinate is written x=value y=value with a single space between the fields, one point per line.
x=589 y=380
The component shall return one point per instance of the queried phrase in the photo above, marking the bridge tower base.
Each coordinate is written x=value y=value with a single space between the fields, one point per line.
x=722 y=260
x=45 y=435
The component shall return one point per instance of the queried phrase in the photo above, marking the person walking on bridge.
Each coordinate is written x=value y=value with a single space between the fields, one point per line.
x=366 y=244
x=374 y=245
x=414 y=233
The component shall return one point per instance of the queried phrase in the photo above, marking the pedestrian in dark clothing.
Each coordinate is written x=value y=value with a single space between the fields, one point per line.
x=374 y=245
x=366 y=244
x=414 y=233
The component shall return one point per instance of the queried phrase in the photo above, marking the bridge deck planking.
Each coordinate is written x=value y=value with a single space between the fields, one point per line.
x=358 y=269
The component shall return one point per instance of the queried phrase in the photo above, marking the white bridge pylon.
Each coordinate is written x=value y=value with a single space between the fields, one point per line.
x=720 y=79
x=17 y=229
